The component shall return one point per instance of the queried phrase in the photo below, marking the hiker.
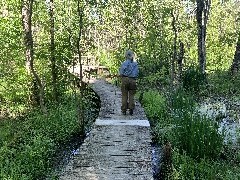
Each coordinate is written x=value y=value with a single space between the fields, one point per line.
x=128 y=73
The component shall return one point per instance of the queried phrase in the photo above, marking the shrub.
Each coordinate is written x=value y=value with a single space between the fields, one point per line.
x=222 y=83
x=185 y=167
x=156 y=110
x=154 y=104
x=29 y=145
x=193 y=79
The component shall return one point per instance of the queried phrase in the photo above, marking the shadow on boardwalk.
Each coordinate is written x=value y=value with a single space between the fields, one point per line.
x=118 y=147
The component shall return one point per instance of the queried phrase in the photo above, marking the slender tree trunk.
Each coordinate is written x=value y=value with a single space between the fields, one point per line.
x=201 y=56
x=203 y=9
x=52 y=51
x=174 y=58
x=180 y=60
x=80 y=107
x=28 y=42
x=236 y=60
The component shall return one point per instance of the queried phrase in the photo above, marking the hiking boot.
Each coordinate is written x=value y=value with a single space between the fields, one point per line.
x=131 y=112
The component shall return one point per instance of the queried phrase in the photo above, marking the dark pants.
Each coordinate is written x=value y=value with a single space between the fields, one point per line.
x=128 y=89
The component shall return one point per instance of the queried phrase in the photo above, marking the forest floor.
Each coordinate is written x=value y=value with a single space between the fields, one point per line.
x=118 y=147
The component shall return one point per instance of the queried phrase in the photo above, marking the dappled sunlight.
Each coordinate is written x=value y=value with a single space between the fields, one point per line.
x=181 y=58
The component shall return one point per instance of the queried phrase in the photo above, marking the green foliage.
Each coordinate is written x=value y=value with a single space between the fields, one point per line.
x=194 y=134
x=196 y=142
x=110 y=60
x=158 y=79
x=193 y=79
x=13 y=77
x=224 y=84
x=181 y=125
x=221 y=46
x=187 y=168
x=180 y=101
x=146 y=28
x=155 y=106
x=28 y=144
x=197 y=136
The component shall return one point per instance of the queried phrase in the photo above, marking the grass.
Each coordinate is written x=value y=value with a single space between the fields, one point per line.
x=28 y=144
x=185 y=167
x=197 y=145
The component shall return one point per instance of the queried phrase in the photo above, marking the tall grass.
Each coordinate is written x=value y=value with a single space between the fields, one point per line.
x=194 y=134
x=29 y=144
x=196 y=143
x=155 y=106
x=176 y=121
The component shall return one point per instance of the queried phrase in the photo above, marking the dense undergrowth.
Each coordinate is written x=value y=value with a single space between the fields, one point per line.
x=198 y=149
x=29 y=144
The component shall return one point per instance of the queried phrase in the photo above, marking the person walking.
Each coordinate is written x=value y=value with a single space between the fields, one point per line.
x=128 y=73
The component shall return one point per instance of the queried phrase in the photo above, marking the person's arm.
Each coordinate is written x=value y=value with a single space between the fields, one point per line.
x=122 y=68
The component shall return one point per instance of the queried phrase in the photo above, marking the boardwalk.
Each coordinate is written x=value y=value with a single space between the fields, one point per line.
x=118 y=147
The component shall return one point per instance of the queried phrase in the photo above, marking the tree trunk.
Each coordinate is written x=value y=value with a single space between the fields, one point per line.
x=236 y=60
x=203 y=9
x=80 y=103
x=174 y=58
x=28 y=42
x=180 y=60
x=201 y=59
x=52 y=51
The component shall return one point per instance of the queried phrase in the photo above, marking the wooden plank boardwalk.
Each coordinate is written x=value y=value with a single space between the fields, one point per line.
x=118 y=147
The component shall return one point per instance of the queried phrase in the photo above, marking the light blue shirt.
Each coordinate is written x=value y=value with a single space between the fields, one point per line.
x=129 y=68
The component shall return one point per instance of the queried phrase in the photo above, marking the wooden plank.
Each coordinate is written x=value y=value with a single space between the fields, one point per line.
x=118 y=147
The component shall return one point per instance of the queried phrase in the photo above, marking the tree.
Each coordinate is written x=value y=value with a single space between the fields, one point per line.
x=52 y=50
x=174 y=58
x=29 y=52
x=80 y=10
x=203 y=10
x=236 y=59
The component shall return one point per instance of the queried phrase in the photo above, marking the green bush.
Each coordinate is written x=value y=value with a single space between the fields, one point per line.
x=28 y=161
x=193 y=79
x=182 y=125
x=156 y=110
x=28 y=145
x=222 y=83
x=154 y=104
x=157 y=79
x=198 y=136
x=180 y=101
x=185 y=167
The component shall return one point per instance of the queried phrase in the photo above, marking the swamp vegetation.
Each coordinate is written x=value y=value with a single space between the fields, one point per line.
x=189 y=57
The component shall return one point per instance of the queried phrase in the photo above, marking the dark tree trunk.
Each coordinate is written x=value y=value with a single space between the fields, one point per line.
x=201 y=59
x=236 y=60
x=28 y=42
x=203 y=9
x=52 y=51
